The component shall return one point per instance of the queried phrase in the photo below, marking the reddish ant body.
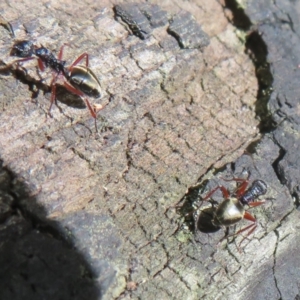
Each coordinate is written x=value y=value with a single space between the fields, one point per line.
x=232 y=209
x=79 y=80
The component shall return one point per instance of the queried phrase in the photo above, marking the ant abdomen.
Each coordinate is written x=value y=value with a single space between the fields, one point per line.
x=258 y=188
x=85 y=80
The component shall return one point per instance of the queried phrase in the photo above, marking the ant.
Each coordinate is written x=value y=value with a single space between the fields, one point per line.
x=79 y=80
x=232 y=209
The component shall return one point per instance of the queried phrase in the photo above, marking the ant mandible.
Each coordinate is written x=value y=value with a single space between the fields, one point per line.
x=79 y=80
x=232 y=209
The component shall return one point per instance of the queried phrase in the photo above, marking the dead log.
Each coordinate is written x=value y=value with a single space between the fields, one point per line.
x=180 y=94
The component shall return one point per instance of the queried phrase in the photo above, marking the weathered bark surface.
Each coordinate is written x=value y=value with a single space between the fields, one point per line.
x=278 y=24
x=176 y=108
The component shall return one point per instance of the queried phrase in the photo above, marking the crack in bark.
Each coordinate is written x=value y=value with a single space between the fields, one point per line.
x=274 y=263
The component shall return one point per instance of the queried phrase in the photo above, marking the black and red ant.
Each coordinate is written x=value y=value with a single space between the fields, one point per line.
x=232 y=209
x=80 y=80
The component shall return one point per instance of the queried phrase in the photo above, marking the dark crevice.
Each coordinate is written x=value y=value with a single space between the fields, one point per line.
x=258 y=52
x=275 y=264
x=257 y=49
x=240 y=19
x=251 y=148
x=276 y=168
x=130 y=144
x=188 y=208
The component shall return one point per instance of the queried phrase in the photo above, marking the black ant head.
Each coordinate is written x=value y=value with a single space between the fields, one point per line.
x=22 y=49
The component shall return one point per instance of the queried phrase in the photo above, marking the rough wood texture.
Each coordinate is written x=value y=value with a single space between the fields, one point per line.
x=176 y=109
x=278 y=25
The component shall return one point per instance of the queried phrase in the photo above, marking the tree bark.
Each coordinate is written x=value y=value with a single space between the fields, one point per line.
x=180 y=95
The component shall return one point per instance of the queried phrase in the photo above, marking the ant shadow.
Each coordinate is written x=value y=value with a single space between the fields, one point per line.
x=68 y=98
x=37 y=261
x=36 y=86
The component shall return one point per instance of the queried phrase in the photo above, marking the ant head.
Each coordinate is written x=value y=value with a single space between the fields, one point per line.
x=22 y=49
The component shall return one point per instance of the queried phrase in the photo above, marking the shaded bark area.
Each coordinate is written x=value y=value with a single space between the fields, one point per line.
x=177 y=107
x=273 y=43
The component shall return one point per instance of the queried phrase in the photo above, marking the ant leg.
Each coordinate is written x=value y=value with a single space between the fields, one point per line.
x=226 y=235
x=251 y=227
x=18 y=61
x=53 y=97
x=61 y=50
x=257 y=203
x=22 y=59
x=79 y=59
x=224 y=191
x=93 y=110
x=41 y=65
x=82 y=96
x=242 y=187
x=40 y=62
x=249 y=217
x=53 y=91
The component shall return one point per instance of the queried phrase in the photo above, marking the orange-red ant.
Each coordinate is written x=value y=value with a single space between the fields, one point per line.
x=232 y=209
x=80 y=80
